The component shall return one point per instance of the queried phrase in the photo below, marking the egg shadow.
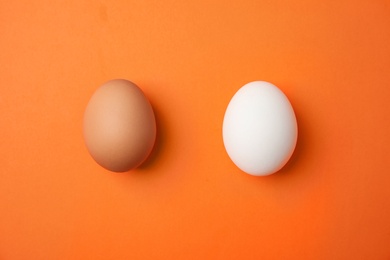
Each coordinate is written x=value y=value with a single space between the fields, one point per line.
x=161 y=137
x=159 y=143
x=300 y=149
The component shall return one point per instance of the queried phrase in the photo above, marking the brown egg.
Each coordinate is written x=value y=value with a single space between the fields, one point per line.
x=119 y=126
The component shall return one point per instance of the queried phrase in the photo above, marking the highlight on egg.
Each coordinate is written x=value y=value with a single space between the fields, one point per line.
x=119 y=126
x=259 y=129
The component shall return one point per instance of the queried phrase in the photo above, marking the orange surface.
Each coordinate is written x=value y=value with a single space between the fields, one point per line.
x=189 y=201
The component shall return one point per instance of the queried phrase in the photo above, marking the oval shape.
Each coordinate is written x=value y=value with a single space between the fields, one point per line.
x=259 y=129
x=119 y=126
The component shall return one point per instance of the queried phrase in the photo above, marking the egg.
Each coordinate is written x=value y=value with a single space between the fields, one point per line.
x=259 y=129
x=119 y=126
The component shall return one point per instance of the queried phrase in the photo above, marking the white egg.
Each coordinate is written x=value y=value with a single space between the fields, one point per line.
x=259 y=129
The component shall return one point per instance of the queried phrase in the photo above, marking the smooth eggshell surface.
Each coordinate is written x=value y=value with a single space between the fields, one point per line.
x=119 y=126
x=260 y=129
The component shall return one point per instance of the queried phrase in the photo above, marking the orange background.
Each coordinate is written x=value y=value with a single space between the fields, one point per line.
x=189 y=201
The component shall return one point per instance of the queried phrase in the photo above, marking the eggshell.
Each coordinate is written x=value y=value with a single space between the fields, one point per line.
x=259 y=129
x=119 y=126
